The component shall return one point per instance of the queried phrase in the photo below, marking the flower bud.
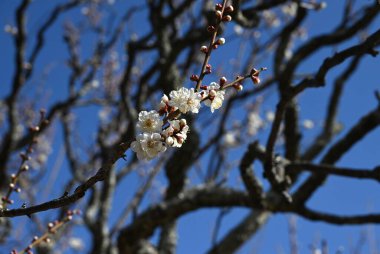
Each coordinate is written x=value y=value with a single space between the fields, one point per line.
x=255 y=79
x=221 y=41
x=227 y=18
x=218 y=7
x=182 y=122
x=211 y=29
x=165 y=98
x=194 y=77
x=208 y=69
x=204 y=49
x=180 y=139
x=218 y=14
x=238 y=87
x=222 y=81
x=169 y=141
x=229 y=9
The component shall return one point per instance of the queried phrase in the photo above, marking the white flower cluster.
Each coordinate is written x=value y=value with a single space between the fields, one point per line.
x=161 y=129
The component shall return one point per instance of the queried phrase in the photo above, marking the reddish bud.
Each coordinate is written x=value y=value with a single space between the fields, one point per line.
x=222 y=81
x=229 y=9
x=238 y=87
x=194 y=77
x=218 y=7
x=255 y=79
x=255 y=72
x=204 y=49
x=219 y=15
x=211 y=29
x=227 y=18
x=179 y=139
x=162 y=111
x=208 y=69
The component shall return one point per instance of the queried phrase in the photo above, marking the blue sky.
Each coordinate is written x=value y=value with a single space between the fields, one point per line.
x=338 y=195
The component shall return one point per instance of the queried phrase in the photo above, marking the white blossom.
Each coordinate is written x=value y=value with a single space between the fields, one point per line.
x=163 y=105
x=290 y=9
x=149 y=122
x=230 y=139
x=308 y=124
x=185 y=100
x=270 y=18
x=238 y=30
x=270 y=116
x=176 y=134
x=215 y=96
x=255 y=123
x=76 y=243
x=164 y=101
x=148 y=145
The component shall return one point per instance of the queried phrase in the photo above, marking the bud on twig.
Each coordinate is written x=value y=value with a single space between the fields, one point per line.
x=211 y=29
x=204 y=49
x=227 y=18
x=194 y=77
x=222 y=81
x=229 y=9
x=219 y=15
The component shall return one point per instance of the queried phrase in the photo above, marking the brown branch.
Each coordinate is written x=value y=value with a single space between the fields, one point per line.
x=146 y=223
x=361 y=129
x=337 y=219
x=210 y=48
x=373 y=174
x=329 y=128
x=78 y=193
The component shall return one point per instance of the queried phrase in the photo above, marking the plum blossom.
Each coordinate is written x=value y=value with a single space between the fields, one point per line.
x=308 y=124
x=148 y=145
x=215 y=96
x=149 y=122
x=164 y=101
x=163 y=106
x=185 y=100
x=176 y=134
x=255 y=123
x=231 y=138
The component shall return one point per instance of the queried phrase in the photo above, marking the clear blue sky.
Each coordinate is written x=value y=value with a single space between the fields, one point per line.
x=338 y=195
